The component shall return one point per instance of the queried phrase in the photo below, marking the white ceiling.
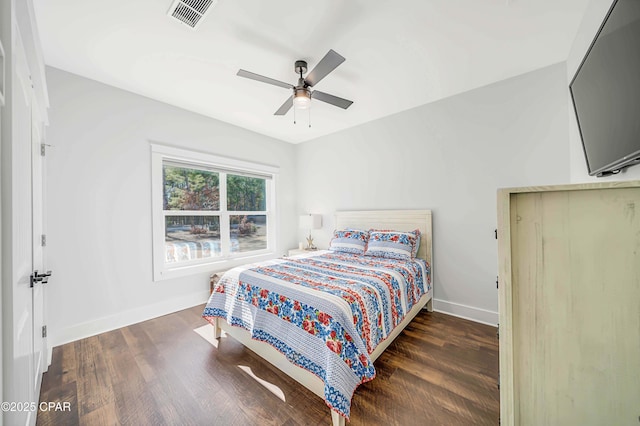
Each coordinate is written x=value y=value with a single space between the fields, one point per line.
x=399 y=54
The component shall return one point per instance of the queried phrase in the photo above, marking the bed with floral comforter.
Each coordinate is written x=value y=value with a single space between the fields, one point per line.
x=326 y=312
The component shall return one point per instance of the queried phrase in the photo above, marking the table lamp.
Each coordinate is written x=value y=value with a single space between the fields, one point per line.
x=310 y=221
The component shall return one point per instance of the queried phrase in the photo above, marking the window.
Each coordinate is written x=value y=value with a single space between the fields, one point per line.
x=209 y=211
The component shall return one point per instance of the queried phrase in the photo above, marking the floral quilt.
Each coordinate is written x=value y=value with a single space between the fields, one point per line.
x=326 y=313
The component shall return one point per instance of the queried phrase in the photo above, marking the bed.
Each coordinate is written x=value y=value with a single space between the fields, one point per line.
x=323 y=318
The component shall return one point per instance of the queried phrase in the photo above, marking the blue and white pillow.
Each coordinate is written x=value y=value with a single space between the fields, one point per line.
x=393 y=244
x=349 y=241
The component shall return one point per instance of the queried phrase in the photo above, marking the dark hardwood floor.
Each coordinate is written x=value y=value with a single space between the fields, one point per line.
x=441 y=370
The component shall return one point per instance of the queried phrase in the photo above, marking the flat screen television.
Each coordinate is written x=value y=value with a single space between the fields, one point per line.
x=606 y=92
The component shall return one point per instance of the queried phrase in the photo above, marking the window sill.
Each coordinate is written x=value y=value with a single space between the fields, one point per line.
x=210 y=267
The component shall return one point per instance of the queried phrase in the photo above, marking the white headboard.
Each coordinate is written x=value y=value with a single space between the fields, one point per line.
x=398 y=220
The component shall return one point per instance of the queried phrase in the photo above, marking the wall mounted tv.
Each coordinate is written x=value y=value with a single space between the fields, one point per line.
x=606 y=92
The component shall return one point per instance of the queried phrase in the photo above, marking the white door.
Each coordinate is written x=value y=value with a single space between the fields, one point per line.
x=26 y=198
x=39 y=339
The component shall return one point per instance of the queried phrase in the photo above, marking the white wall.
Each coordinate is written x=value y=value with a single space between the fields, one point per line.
x=99 y=202
x=594 y=15
x=449 y=156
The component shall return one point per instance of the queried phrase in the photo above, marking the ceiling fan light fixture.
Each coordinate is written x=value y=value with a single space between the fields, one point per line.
x=302 y=98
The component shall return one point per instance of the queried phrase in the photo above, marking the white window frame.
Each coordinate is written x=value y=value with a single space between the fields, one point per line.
x=224 y=166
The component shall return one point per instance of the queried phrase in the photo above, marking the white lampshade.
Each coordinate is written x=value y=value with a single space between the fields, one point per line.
x=311 y=221
x=302 y=99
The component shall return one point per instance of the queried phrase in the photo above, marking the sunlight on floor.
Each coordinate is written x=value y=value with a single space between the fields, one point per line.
x=206 y=332
x=269 y=386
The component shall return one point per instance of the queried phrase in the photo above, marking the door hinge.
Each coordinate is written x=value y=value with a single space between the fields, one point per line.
x=496 y=232
x=497 y=279
x=43 y=240
x=43 y=148
x=44 y=331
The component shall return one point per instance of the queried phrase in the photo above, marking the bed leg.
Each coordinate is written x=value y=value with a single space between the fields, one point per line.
x=430 y=305
x=217 y=332
x=337 y=419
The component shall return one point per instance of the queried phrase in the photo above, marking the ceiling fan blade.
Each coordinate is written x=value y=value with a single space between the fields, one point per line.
x=327 y=64
x=286 y=106
x=330 y=99
x=258 y=77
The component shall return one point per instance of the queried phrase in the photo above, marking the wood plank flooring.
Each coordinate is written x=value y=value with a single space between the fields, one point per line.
x=441 y=370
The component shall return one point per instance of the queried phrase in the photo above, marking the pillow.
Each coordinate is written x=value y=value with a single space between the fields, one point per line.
x=349 y=241
x=393 y=244
x=414 y=243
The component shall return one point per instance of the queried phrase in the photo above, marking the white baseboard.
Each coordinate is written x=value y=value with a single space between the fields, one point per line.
x=125 y=318
x=471 y=313
x=133 y=316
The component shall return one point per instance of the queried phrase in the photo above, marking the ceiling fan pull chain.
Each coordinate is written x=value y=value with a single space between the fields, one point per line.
x=309 y=117
x=294 y=114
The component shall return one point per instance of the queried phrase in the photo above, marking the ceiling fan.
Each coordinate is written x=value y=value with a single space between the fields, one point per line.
x=302 y=93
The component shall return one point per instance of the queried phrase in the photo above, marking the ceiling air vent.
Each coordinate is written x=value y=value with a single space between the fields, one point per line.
x=190 y=12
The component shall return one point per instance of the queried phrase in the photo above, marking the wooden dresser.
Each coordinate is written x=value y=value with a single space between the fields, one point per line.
x=569 y=300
